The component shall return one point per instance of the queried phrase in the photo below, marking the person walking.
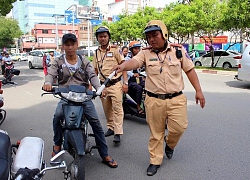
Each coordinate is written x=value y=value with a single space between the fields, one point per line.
x=164 y=63
x=106 y=56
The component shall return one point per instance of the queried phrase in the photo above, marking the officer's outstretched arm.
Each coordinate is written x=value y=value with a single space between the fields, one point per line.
x=130 y=65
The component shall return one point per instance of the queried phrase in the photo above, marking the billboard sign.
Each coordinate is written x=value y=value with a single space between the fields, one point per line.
x=87 y=12
x=216 y=39
x=70 y=16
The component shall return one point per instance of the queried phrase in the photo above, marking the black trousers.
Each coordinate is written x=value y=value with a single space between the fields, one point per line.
x=135 y=91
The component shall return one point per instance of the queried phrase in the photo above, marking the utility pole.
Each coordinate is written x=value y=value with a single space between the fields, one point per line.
x=73 y=18
x=57 y=16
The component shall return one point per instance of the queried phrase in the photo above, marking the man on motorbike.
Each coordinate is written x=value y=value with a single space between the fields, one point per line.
x=135 y=83
x=69 y=69
x=5 y=59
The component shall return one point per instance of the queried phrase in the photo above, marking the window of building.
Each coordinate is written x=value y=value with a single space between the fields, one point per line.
x=85 y=28
x=65 y=31
x=53 y=31
x=81 y=28
x=45 y=31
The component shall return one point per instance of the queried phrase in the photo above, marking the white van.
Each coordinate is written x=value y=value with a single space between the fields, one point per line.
x=244 y=66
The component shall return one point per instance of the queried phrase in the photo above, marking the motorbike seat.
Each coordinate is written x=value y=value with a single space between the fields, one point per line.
x=5 y=156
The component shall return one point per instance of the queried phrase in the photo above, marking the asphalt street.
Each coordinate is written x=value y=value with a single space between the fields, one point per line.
x=215 y=145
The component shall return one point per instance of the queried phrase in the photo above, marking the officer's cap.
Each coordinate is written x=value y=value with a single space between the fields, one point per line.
x=156 y=25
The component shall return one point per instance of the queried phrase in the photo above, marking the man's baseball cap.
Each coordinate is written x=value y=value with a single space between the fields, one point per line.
x=69 y=36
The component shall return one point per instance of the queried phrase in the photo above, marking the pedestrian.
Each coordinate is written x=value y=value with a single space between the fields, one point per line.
x=125 y=51
x=106 y=56
x=164 y=84
x=1 y=60
x=135 y=82
x=45 y=66
x=73 y=69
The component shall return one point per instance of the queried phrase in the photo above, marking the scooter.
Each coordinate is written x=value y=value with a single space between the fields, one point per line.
x=129 y=104
x=75 y=126
x=9 y=72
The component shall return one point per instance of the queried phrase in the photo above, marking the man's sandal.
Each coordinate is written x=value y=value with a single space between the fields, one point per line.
x=110 y=163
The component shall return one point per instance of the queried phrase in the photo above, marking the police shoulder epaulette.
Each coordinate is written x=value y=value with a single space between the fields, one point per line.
x=176 y=45
x=148 y=47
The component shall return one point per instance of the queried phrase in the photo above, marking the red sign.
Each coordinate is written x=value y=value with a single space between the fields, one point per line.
x=216 y=39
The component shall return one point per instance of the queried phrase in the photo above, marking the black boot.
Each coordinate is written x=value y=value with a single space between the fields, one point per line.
x=117 y=138
x=152 y=169
x=169 y=152
x=109 y=133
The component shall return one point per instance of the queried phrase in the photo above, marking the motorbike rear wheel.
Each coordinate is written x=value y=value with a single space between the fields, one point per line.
x=77 y=170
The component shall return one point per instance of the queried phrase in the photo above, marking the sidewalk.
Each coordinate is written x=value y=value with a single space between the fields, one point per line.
x=220 y=72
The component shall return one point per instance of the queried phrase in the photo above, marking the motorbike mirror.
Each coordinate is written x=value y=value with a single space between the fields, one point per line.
x=60 y=157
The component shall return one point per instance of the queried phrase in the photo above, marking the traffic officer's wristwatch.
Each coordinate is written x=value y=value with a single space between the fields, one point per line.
x=126 y=83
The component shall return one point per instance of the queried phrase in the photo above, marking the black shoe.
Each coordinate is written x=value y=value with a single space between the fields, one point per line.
x=117 y=138
x=152 y=169
x=109 y=133
x=169 y=152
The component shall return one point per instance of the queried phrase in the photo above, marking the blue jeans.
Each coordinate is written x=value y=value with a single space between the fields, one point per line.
x=92 y=117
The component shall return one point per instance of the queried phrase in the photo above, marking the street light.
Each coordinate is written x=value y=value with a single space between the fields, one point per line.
x=57 y=16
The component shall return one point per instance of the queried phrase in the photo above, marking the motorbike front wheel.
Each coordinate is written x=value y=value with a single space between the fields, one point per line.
x=78 y=166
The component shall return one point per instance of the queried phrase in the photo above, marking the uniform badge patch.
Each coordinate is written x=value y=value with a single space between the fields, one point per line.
x=109 y=54
x=187 y=56
x=153 y=59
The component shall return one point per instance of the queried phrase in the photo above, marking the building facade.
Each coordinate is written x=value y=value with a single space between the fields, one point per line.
x=31 y=12
x=44 y=36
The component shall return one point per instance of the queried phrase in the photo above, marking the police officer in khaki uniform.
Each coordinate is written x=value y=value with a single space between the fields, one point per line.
x=164 y=84
x=106 y=56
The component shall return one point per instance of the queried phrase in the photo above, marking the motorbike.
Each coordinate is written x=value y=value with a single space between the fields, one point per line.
x=75 y=125
x=129 y=104
x=9 y=72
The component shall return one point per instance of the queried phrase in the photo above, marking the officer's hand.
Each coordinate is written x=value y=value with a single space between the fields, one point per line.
x=104 y=93
x=47 y=87
x=136 y=75
x=200 y=97
x=125 y=88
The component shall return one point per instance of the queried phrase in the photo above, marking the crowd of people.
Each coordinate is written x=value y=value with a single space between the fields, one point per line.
x=165 y=101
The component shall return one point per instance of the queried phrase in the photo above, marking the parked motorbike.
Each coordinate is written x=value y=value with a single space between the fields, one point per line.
x=75 y=126
x=9 y=72
x=24 y=160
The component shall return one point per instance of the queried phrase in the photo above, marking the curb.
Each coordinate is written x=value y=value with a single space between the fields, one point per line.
x=220 y=72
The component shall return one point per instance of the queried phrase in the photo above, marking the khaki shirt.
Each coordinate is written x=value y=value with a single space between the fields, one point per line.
x=164 y=74
x=105 y=60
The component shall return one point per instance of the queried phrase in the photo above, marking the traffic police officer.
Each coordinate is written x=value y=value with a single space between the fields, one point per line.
x=164 y=84
x=106 y=56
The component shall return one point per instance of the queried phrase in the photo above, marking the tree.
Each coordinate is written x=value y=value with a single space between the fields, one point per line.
x=237 y=19
x=9 y=30
x=6 y=6
x=208 y=20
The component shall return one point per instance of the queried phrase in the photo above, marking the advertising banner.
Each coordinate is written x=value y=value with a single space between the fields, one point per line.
x=216 y=40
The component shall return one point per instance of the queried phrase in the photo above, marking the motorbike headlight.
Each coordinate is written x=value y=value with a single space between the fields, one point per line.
x=76 y=97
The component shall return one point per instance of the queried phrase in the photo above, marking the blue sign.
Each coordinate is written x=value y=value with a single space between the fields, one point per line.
x=115 y=18
x=95 y=22
x=69 y=16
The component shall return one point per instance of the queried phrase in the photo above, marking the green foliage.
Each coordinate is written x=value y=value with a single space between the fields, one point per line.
x=9 y=30
x=6 y=6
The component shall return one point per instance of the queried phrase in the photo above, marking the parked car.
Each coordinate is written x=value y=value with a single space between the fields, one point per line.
x=244 y=66
x=19 y=57
x=196 y=54
x=228 y=59
x=35 y=58
x=84 y=52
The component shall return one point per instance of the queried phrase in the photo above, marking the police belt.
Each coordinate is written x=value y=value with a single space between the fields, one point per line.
x=163 y=96
x=112 y=82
